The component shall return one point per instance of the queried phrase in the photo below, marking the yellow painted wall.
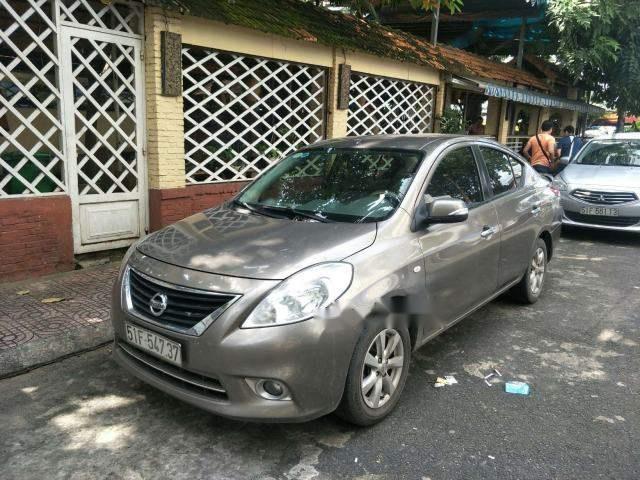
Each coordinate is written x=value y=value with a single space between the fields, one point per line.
x=165 y=124
x=207 y=33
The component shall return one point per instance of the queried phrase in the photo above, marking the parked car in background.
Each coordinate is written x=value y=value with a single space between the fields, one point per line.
x=601 y=187
x=600 y=128
x=309 y=290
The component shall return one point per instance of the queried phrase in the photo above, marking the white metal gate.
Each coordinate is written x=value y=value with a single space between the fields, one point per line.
x=103 y=108
x=71 y=112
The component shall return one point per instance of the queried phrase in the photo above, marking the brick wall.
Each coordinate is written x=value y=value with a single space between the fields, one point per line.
x=167 y=206
x=35 y=237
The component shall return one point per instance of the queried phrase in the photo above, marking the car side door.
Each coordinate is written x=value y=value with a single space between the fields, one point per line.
x=518 y=207
x=461 y=259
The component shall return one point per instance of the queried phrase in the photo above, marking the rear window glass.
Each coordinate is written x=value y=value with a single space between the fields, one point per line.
x=501 y=175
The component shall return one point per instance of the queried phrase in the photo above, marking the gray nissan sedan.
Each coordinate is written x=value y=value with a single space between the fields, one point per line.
x=307 y=292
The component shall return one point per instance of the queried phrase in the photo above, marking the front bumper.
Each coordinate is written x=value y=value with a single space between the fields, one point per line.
x=311 y=358
x=571 y=215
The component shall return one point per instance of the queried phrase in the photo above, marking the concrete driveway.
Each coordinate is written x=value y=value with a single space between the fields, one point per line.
x=84 y=418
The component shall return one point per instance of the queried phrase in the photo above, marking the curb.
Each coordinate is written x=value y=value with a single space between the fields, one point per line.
x=45 y=350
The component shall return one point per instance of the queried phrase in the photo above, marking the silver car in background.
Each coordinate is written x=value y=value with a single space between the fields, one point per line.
x=600 y=188
x=308 y=292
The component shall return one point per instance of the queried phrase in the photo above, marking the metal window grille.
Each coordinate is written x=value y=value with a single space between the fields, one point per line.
x=380 y=105
x=243 y=113
x=31 y=153
x=121 y=16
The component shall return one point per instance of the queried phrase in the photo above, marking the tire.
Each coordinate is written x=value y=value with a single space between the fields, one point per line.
x=359 y=408
x=530 y=287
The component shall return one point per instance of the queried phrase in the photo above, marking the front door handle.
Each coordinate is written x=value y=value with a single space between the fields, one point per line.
x=536 y=208
x=487 y=231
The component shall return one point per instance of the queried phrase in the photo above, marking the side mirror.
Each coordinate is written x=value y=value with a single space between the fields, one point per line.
x=439 y=210
x=564 y=161
x=446 y=210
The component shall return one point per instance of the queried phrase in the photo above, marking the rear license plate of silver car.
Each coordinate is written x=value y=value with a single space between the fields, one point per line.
x=599 y=211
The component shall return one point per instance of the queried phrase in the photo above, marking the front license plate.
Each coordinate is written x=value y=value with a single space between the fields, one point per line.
x=600 y=211
x=155 y=344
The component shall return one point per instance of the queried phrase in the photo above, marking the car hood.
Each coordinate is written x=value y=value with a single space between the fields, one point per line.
x=602 y=176
x=226 y=241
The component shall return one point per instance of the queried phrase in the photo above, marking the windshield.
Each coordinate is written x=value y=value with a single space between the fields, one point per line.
x=334 y=184
x=621 y=153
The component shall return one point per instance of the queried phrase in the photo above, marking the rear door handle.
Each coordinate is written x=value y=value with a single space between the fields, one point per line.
x=487 y=231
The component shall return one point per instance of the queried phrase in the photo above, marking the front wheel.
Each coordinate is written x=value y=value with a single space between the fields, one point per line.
x=377 y=374
x=530 y=287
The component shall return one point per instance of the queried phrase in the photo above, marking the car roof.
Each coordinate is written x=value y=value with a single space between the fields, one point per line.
x=620 y=136
x=396 y=142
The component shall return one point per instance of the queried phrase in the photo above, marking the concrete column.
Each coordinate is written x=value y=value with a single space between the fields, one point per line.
x=439 y=105
x=165 y=124
x=336 y=119
x=545 y=113
x=493 y=117
x=503 y=125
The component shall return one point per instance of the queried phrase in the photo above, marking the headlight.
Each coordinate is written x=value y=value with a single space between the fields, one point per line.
x=560 y=184
x=301 y=295
x=127 y=255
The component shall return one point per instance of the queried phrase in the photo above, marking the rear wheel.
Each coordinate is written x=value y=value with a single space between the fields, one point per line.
x=530 y=287
x=377 y=374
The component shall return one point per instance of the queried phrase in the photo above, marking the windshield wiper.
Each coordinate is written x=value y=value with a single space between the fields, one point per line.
x=256 y=209
x=298 y=213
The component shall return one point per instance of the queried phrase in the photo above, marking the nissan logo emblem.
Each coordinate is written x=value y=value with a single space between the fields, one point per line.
x=158 y=304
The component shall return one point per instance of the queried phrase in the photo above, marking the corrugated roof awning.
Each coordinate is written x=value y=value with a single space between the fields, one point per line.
x=539 y=99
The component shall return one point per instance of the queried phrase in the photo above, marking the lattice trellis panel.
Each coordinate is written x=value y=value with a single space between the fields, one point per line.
x=243 y=113
x=31 y=152
x=104 y=89
x=123 y=17
x=380 y=105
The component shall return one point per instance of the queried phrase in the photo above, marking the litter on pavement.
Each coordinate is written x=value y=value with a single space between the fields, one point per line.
x=519 y=388
x=23 y=292
x=447 y=380
x=495 y=373
x=52 y=300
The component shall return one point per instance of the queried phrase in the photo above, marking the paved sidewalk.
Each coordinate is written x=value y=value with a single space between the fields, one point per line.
x=33 y=332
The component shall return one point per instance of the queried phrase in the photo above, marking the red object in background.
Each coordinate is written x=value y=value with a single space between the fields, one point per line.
x=611 y=120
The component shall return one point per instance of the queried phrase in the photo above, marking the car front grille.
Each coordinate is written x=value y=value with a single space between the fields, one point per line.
x=184 y=307
x=601 y=220
x=604 y=198
x=177 y=376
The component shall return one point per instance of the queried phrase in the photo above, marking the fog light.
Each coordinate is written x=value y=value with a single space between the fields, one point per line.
x=275 y=389
x=269 y=389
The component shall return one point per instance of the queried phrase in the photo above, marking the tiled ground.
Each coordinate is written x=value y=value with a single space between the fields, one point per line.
x=24 y=318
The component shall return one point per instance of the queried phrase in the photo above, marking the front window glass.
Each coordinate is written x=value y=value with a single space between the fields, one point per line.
x=622 y=153
x=457 y=176
x=517 y=170
x=334 y=184
x=501 y=175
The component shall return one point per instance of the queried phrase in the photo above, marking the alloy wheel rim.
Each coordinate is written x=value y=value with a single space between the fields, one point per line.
x=536 y=271
x=382 y=368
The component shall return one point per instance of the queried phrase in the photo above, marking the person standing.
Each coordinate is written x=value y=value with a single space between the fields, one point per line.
x=476 y=127
x=569 y=145
x=540 y=150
